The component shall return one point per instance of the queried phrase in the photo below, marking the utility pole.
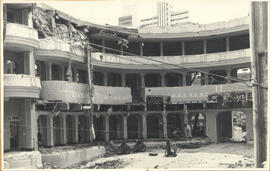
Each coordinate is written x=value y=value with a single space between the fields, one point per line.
x=91 y=90
x=258 y=44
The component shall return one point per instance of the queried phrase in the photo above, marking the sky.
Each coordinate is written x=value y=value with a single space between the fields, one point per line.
x=108 y=11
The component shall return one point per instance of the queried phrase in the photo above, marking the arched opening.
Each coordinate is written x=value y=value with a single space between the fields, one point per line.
x=82 y=129
x=198 y=124
x=70 y=129
x=56 y=72
x=98 y=78
x=134 y=123
x=42 y=130
x=116 y=127
x=152 y=80
x=175 y=122
x=224 y=126
x=173 y=79
x=213 y=79
x=114 y=79
x=56 y=130
x=154 y=126
x=134 y=82
x=99 y=128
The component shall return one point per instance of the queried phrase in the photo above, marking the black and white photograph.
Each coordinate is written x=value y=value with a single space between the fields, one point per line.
x=134 y=84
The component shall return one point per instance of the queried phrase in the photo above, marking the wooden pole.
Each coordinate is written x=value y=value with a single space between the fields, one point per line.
x=91 y=91
x=258 y=44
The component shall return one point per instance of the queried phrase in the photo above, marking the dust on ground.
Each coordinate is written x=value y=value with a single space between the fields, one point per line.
x=224 y=155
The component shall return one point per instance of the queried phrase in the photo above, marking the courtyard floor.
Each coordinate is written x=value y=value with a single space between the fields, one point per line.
x=222 y=155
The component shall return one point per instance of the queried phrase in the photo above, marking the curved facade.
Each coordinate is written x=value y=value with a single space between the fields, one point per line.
x=160 y=81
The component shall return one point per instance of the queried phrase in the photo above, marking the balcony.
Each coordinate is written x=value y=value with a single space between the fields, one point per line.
x=21 y=86
x=71 y=92
x=201 y=60
x=21 y=37
x=198 y=93
x=54 y=48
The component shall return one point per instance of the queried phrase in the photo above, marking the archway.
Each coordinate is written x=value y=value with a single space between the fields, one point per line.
x=198 y=124
x=56 y=130
x=152 y=80
x=134 y=82
x=175 y=121
x=154 y=126
x=99 y=128
x=173 y=79
x=134 y=124
x=82 y=129
x=42 y=130
x=70 y=129
x=224 y=126
x=116 y=127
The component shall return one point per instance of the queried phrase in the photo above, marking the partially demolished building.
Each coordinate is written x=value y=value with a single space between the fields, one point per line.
x=147 y=83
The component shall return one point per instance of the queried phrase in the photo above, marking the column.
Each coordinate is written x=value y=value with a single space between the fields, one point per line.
x=163 y=83
x=211 y=126
x=125 y=127
x=206 y=79
x=29 y=18
x=141 y=48
x=29 y=63
x=123 y=79
x=249 y=124
x=164 y=121
x=50 y=140
x=63 y=130
x=106 y=129
x=62 y=72
x=184 y=75
x=139 y=126
x=185 y=112
x=105 y=79
x=227 y=44
x=103 y=45
x=49 y=71
x=144 y=126
x=228 y=75
x=28 y=126
x=76 y=133
x=204 y=46
x=183 y=47
x=161 y=48
x=142 y=80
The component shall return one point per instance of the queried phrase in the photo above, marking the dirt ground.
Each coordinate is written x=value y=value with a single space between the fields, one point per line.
x=223 y=155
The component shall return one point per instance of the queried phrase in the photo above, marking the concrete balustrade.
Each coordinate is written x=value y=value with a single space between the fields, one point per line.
x=20 y=85
x=72 y=92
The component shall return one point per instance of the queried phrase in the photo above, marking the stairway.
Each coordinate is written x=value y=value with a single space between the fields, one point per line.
x=110 y=150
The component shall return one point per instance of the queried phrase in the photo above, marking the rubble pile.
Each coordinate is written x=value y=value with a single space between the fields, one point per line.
x=245 y=163
x=110 y=164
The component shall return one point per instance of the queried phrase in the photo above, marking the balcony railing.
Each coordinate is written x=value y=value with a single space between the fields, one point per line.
x=59 y=48
x=187 y=59
x=194 y=93
x=19 y=35
x=72 y=92
x=19 y=85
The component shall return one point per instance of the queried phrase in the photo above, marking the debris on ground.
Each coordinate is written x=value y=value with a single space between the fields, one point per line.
x=110 y=164
x=246 y=163
x=153 y=154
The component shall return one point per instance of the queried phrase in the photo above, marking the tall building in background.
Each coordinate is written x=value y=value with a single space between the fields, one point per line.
x=129 y=17
x=165 y=16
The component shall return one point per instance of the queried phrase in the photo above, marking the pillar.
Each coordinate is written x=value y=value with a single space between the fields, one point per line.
x=63 y=129
x=205 y=78
x=211 y=125
x=227 y=44
x=28 y=127
x=163 y=83
x=123 y=79
x=76 y=133
x=184 y=75
x=106 y=129
x=49 y=71
x=62 y=72
x=185 y=112
x=125 y=130
x=183 y=48
x=121 y=49
x=144 y=126
x=161 y=48
x=103 y=45
x=105 y=79
x=50 y=141
x=141 y=48
x=29 y=63
x=139 y=126
x=164 y=121
x=142 y=80
x=204 y=46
